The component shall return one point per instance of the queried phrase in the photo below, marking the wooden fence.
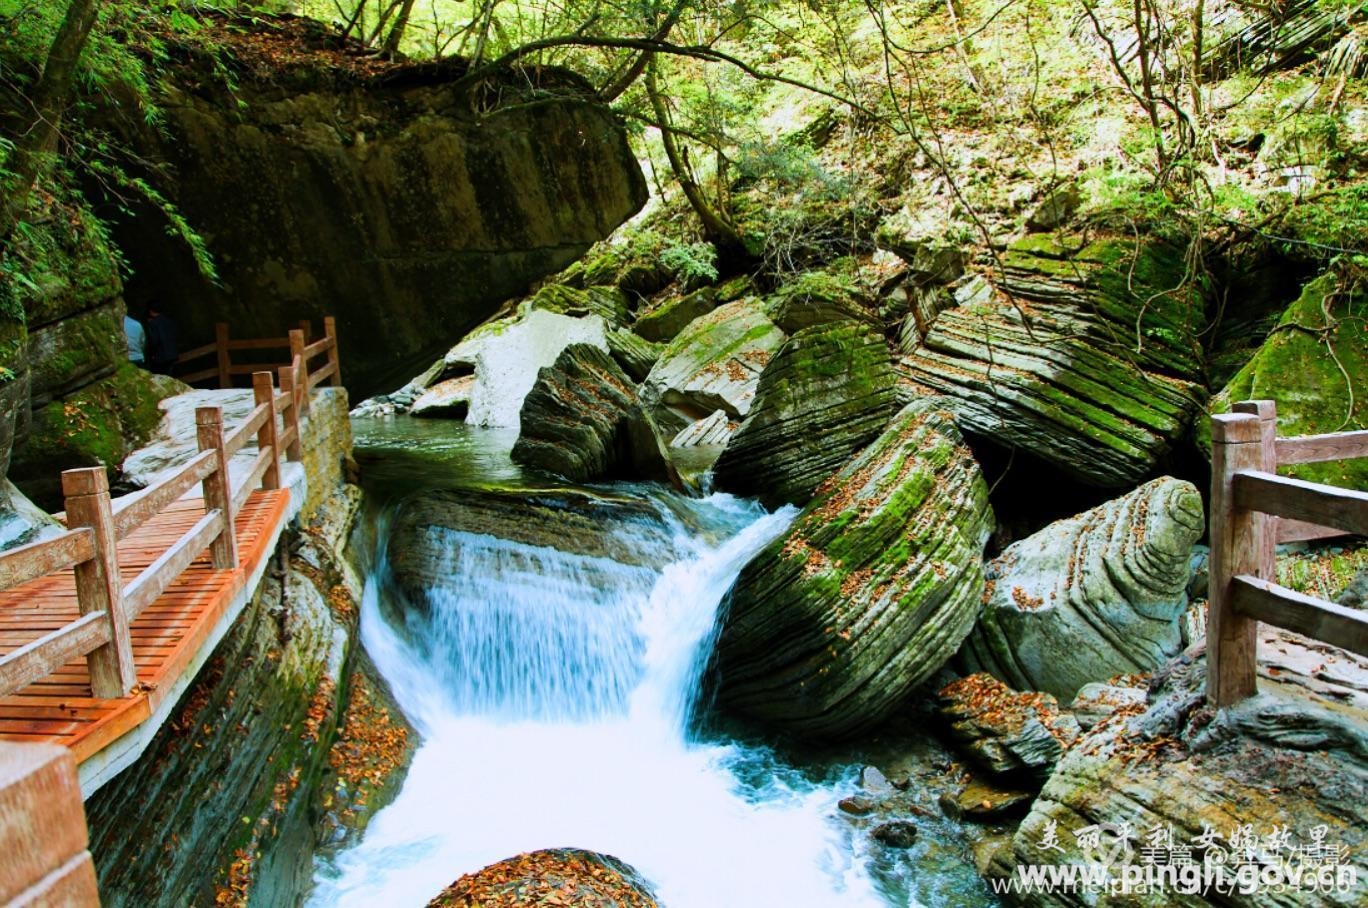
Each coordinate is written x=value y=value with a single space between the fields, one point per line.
x=96 y=523
x=1252 y=509
x=296 y=342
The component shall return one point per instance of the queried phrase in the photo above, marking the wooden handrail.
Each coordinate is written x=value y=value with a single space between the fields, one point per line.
x=97 y=523
x=1251 y=507
x=296 y=341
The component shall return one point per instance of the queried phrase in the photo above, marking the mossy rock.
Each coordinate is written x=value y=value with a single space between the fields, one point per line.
x=633 y=353
x=828 y=392
x=816 y=298
x=871 y=590
x=668 y=317
x=98 y=425
x=1314 y=366
x=69 y=354
x=608 y=303
x=14 y=387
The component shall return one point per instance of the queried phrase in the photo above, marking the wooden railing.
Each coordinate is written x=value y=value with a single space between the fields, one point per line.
x=296 y=342
x=1252 y=508
x=96 y=523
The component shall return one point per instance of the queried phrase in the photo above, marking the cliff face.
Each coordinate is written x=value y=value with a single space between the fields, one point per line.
x=407 y=200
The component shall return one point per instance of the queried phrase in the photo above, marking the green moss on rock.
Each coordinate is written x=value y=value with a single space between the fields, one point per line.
x=1314 y=366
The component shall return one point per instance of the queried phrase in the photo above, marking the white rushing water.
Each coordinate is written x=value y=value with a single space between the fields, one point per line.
x=553 y=692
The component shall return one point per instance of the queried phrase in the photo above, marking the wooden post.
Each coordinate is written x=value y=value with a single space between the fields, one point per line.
x=225 y=361
x=1267 y=411
x=306 y=328
x=299 y=339
x=43 y=835
x=334 y=357
x=1237 y=547
x=287 y=386
x=98 y=585
x=263 y=391
x=218 y=487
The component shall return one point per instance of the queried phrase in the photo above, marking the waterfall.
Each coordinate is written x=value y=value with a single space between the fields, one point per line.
x=553 y=693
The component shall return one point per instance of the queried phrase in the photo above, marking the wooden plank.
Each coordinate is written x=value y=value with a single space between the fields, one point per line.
x=317 y=347
x=218 y=494
x=317 y=378
x=1320 y=448
x=132 y=511
x=37 y=559
x=234 y=440
x=197 y=353
x=1337 y=625
x=334 y=354
x=162 y=572
x=264 y=461
x=201 y=375
x=1299 y=531
x=1237 y=547
x=1327 y=506
x=260 y=343
x=43 y=829
x=97 y=581
x=35 y=661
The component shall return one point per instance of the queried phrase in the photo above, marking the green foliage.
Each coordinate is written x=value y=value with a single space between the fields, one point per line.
x=691 y=263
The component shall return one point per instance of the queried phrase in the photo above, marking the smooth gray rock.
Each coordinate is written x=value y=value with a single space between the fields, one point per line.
x=1093 y=596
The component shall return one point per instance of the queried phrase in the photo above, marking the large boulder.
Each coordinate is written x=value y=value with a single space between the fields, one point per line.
x=1292 y=761
x=570 y=418
x=568 y=877
x=668 y=316
x=1314 y=366
x=870 y=591
x=713 y=364
x=404 y=198
x=1087 y=355
x=507 y=355
x=825 y=395
x=1093 y=596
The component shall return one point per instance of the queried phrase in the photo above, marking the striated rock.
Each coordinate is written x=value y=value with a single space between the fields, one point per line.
x=568 y=877
x=1314 y=392
x=1294 y=759
x=448 y=399
x=980 y=802
x=403 y=198
x=1055 y=209
x=1097 y=702
x=1010 y=734
x=1094 y=596
x=816 y=298
x=506 y=356
x=22 y=521
x=664 y=320
x=827 y=393
x=869 y=592
x=634 y=354
x=570 y=419
x=608 y=303
x=1084 y=355
x=713 y=364
x=712 y=430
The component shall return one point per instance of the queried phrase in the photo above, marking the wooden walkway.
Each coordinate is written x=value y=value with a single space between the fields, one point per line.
x=166 y=637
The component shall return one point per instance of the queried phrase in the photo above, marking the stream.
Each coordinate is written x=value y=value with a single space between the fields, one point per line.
x=555 y=694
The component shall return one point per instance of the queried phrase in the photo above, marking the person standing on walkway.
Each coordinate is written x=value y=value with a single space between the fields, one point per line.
x=137 y=340
x=161 y=340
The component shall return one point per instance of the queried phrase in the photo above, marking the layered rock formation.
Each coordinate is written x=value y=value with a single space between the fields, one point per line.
x=1019 y=736
x=1093 y=596
x=868 y=593
x=713 y=364
x=403 y=199
x=826 y=394
x=1085 y=355
x=1293 y=759
x=571 y=416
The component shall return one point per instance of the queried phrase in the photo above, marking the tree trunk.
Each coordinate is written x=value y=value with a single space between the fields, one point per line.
x=396 y=34
x=610 y=92
x=717 y=229
x=50 y=97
